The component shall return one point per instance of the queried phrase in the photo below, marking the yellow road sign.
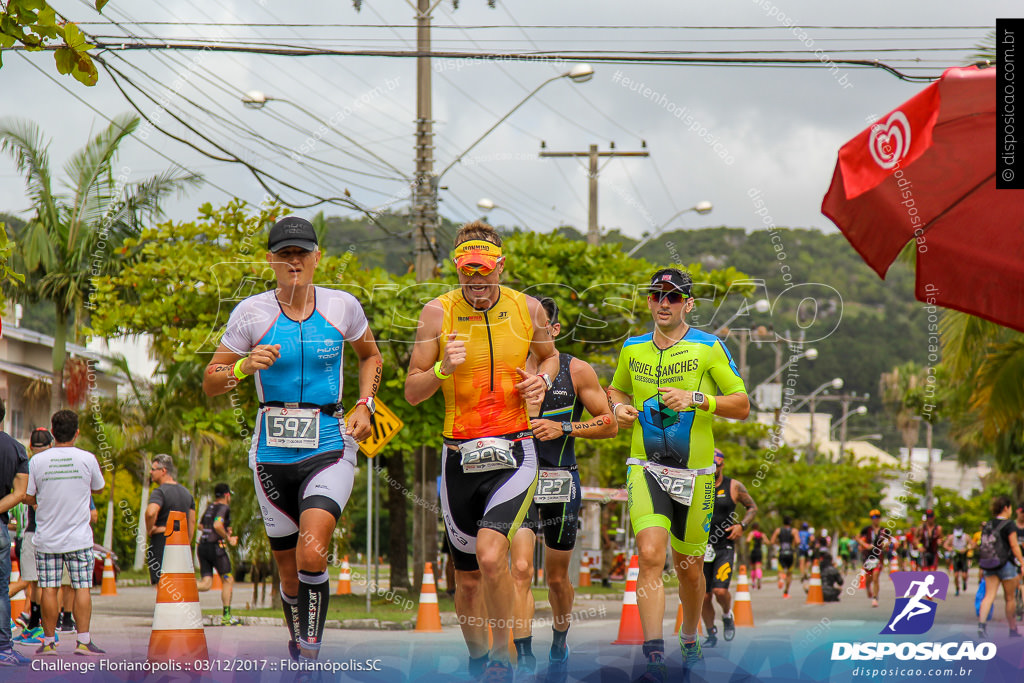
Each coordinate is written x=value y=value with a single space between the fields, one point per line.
x=385 y=426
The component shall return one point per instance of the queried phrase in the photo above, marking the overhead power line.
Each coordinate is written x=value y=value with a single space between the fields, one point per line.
x=620 y=58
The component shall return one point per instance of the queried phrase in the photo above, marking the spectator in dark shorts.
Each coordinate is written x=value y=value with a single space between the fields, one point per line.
x=1006 y=574
x=831 y=579
x=60 y=482
x=13 y=483
x=214 y=533
x=169 y=496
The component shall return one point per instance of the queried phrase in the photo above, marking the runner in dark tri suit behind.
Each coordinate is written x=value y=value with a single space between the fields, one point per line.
x=930 y=539
x=720 y=557
x=786 y=540
x=756 y=539
x=555 y=512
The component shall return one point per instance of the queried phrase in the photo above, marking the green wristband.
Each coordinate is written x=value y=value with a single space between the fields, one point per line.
x=437 y=372
x=712 y=403
x=237 y=370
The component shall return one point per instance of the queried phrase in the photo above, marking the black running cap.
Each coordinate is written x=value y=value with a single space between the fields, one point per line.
x=669 y=279
x=292 y=231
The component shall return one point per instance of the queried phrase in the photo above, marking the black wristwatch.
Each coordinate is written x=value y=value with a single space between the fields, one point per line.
x=567 y=428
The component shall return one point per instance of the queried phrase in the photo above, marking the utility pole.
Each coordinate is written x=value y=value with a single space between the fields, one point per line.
x=424 y=196
x=424 y=224
x=593 y=235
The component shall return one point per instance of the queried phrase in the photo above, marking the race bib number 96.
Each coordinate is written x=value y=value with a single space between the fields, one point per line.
x=293 y=427
x=676 y=483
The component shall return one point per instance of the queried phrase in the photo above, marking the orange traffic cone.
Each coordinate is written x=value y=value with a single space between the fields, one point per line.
x=178 y=633
x=894 y=566
x=679 y=622
x=109 y=585
x=345 y=579
x=585 y=572
x=741 y=609
x=217 y=583
x=428 y=618
x=19 y=601
x=814 y=596
x=862 y=583
x=630 y=630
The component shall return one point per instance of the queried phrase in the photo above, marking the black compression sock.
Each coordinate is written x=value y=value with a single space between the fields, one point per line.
x=558 y=641
x=290 y=603
x=477 y=664
x=35 y=615
x=314 y=592
x=654 y=650
x=524 y=646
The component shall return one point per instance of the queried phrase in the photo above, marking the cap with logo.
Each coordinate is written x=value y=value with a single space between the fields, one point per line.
x=292 y=231
x=477 y=253
x=668 y=279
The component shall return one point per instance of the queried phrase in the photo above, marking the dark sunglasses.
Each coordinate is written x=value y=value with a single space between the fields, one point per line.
x=674 y=297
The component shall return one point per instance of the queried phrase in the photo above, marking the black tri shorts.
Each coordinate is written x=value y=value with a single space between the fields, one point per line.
x=213 y=556
x=558 y=522
x=285 y=490
x=497 y=499
x=718 y=572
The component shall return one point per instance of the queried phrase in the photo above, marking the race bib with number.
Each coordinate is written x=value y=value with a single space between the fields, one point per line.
x=293 y=427
x=484 y=455
x=676 y=483
x=553 y=486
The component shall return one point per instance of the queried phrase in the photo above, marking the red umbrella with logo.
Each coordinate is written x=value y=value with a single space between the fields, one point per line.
x=926 y=173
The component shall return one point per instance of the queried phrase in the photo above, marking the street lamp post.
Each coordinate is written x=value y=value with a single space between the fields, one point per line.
x=761 y=306
x=847 y=414
x=700 y=207
x=836 y=383
x=486 y=204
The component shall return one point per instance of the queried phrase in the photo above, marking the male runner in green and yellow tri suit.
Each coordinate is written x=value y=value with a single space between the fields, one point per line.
x=670 y=382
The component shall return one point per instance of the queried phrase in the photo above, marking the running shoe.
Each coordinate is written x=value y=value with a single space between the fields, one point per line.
x=982 y=633
x=293 y=650
x=728 y=628
x=12 y=657
x=874 y=602
x=88 y=649
x=1014 y=633
x=498 y=672
x=526 y=664
x=785 y=596
x=21 y=620
x=712 y=638
x=692 y=653
x=47 y=650
x=556 y=662
x=30 y=636
x=67 y=624
x=230 y=621
x=657 y=672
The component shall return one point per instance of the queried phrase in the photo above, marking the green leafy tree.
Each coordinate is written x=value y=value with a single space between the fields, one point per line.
x=75 y=236
x=34 y=25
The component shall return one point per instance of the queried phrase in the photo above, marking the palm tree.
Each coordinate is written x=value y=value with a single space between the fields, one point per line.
x=902 y=391
x=75 y=236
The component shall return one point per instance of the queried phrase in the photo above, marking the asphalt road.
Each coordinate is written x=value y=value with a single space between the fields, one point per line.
x=791 y=641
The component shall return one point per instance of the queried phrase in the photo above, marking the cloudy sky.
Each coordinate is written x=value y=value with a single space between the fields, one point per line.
x=714 y=133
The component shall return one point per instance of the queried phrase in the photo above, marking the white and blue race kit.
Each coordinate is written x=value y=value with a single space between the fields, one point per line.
x=305 y=381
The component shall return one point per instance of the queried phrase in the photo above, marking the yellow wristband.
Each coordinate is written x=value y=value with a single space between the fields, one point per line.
x=237 y=369
x=437 y=372
x=712 y=403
